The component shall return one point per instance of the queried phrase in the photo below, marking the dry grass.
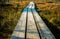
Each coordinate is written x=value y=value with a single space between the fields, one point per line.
x=9 y=16
x=51 y=12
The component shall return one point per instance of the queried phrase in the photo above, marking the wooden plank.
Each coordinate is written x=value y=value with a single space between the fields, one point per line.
x=44 y=31
x=19 y=32
x=32 y=32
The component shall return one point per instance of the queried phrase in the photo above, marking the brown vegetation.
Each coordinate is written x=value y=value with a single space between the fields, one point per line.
x=10 y=13
x=9 y=16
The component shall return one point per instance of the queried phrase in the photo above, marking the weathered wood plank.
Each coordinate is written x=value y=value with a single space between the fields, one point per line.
x=33 y=24
x=44 y=31
x=32 y=32
x=19 y=32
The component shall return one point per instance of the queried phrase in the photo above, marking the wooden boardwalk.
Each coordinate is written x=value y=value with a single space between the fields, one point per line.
x=31 y=26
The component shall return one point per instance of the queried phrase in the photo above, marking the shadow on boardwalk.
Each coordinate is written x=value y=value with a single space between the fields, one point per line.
x=53 y=28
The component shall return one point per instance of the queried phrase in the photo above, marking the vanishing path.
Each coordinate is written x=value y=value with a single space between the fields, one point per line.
x=31 y=25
